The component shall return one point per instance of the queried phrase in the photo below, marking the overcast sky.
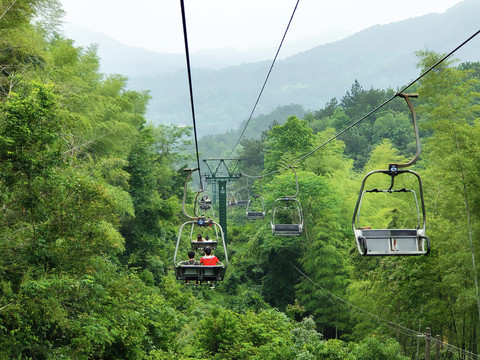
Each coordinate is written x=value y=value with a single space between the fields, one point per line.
x=242 y=24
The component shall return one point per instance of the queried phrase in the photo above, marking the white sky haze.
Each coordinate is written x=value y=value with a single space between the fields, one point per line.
x=156 y=25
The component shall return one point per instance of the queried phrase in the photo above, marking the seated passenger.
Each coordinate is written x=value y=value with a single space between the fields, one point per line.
x=199 y=237
x=209 y=258
x=191 y=261
x=191 y=258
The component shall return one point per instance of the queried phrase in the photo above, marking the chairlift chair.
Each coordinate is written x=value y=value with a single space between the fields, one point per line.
x=256 y=208
x=200 y=273
x=290 y=208
x=240 y=201
x=205 y=203
x=392 y=241
x=231 y=201
x=201 y=245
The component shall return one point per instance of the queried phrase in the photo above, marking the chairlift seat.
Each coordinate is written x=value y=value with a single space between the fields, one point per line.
x=242 y=202
x=255 y=215
x=287 y=229
x=186 y=272
x=203 y=244
x=394 y=242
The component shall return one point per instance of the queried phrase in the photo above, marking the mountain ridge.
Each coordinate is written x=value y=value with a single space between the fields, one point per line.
x=381 y=56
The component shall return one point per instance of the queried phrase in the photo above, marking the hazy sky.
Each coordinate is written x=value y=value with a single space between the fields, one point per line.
x=242 y=24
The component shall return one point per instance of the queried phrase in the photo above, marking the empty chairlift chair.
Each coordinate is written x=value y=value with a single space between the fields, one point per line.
x=243 y=201
x=256 y=208
x=395 y=240
x=287 y=218
x=398 y=241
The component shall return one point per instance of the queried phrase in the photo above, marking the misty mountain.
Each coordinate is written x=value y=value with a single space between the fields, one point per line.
x=382 y=56
x=118 y=58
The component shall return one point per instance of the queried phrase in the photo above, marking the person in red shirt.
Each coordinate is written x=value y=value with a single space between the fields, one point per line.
x=209 y=258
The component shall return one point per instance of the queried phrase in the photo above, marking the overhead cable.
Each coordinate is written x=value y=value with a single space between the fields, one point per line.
x=369 y=113
x=338 y=300
x=396 y=327
x=187 y=55
x=266 y=79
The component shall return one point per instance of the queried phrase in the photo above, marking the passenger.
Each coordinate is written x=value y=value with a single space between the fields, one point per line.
x=209 y=259
x=191 y=258
x=207 y=238
x=191 y=261
x=199 y=237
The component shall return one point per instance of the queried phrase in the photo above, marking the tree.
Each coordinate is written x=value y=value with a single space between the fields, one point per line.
x=287 y=141
x=452 y=180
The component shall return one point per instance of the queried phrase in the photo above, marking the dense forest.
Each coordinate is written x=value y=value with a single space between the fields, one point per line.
x=91 y=204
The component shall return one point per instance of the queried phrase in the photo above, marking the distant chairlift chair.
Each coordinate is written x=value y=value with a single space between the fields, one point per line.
x=287 y=217
x=287 y=208
x=256 y=208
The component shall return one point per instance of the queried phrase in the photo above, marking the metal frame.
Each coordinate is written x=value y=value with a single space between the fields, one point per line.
x=294 y=229
x=391 y=242
x=199 y=272
x=256 y=215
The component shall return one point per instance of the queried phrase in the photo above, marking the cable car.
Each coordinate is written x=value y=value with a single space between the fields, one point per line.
x=200 y=273
x=287 y=217
x=392 y=241
x=256 y=208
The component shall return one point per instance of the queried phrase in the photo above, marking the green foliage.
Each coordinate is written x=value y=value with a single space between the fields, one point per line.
x=29 y=140
x=226 y=335
x=89 y=213
x=287 y=142
x=373 y=348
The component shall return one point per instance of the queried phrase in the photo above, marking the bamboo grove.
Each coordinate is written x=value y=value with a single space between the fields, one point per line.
x=90 y=205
